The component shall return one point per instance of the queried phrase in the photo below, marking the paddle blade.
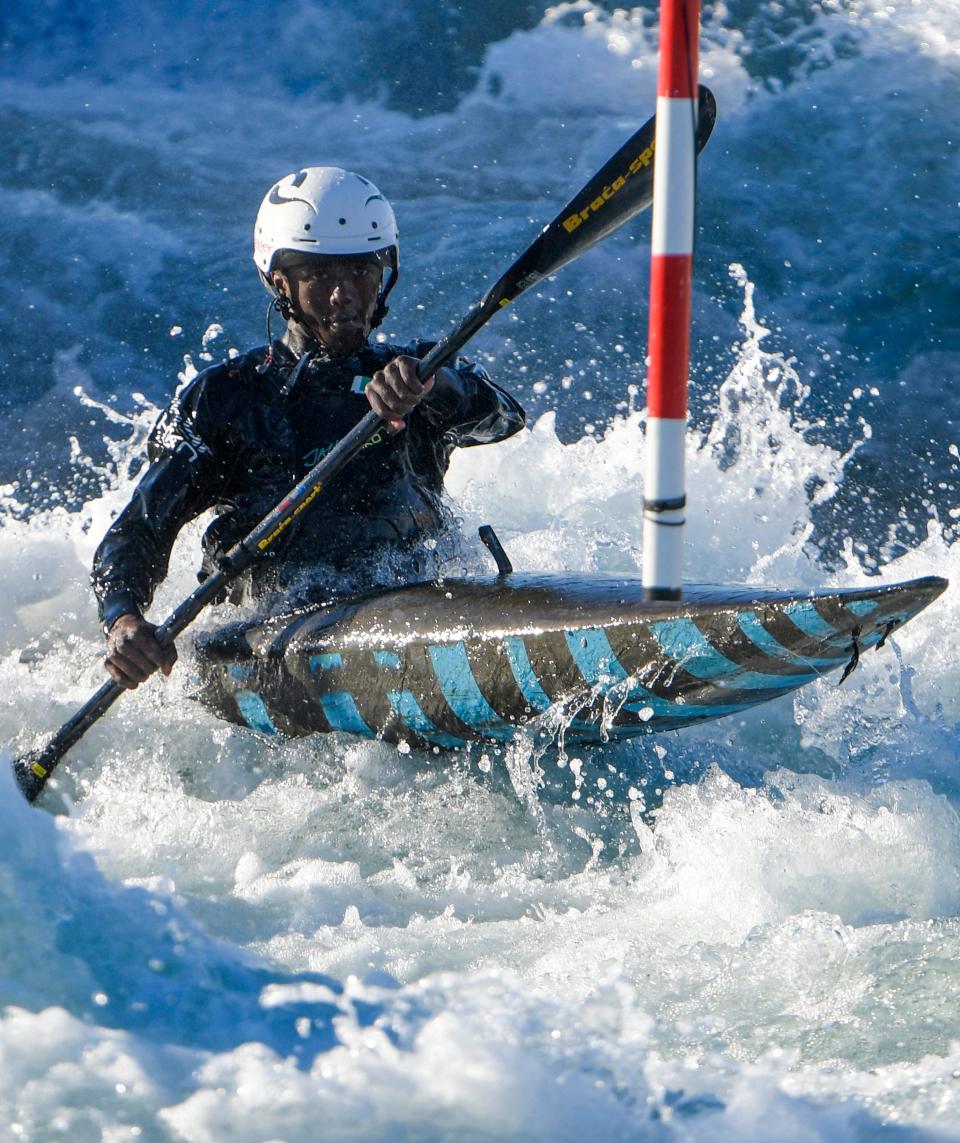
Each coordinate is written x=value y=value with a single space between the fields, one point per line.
x=622 y=188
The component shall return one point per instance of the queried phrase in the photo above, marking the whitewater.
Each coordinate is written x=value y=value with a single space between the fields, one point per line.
x=745 y=931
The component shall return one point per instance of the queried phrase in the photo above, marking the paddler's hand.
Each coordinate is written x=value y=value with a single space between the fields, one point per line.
x=396 y=389
x=133 y=653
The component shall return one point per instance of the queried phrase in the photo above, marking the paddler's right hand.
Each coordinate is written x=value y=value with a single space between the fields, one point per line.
x=133 y=653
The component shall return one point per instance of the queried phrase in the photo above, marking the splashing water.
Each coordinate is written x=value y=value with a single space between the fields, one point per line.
x=649 y=934
x=745 y=931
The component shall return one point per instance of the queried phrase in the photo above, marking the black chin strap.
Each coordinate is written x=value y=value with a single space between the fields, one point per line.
x=273 y=304
x=382 y=309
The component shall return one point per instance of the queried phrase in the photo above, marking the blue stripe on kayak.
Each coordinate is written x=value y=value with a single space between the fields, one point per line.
x=342 y=714
x=861 y=606
x=413 y=717
x=600 y=667
x=339 y=707
x=685 y=643
x=754 y=630
x=868 y=641
x=594 y=656
x=804 y=615
x=253 y=712
x=409 y=710
x=523 y=672
x=463 y=696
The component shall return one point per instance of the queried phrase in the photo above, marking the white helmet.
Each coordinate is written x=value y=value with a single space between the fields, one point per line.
x=323 y=210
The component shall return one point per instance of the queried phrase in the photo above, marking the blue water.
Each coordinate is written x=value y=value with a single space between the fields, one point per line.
x=744 y=931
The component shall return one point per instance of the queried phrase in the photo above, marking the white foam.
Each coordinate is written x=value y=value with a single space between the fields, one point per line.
x=746 y=931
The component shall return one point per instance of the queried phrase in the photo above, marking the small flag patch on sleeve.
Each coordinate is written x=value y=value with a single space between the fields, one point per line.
x=360 y=384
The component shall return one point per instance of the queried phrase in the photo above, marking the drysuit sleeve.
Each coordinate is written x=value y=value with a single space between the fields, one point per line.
x=467 y=407
x=181 y=481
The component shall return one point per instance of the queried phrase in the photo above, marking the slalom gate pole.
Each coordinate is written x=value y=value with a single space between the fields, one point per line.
x=671 y=268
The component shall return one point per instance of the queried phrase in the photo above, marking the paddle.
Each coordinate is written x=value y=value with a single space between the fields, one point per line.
x=619 y=190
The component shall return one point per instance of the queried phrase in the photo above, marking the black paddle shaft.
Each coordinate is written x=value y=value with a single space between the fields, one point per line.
x=622 y=188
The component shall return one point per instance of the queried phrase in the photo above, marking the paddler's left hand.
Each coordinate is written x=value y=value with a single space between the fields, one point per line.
x=396 y=389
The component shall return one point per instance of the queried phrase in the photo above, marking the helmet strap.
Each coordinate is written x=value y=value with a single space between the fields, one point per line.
x=382 y=309
x=284 y=308
x=271 y=306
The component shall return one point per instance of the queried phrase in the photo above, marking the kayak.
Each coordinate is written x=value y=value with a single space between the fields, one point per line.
x=446 y=663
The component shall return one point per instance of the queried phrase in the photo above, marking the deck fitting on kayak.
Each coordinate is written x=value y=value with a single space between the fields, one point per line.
x=489 y=537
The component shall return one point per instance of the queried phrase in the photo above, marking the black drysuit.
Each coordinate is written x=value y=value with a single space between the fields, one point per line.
x=238 y=437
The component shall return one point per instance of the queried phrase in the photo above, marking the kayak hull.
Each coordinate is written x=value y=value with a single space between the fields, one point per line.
x=444 y=664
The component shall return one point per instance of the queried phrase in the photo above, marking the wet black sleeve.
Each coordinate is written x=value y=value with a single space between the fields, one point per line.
x=467 y=407
x=181 y=481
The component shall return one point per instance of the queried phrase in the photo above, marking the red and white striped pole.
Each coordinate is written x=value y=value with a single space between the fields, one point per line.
x=671 y=270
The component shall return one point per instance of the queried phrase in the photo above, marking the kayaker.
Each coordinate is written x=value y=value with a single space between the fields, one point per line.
x=242 y=433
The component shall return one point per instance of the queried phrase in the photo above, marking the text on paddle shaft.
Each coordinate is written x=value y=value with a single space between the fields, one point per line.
x=314 y=493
